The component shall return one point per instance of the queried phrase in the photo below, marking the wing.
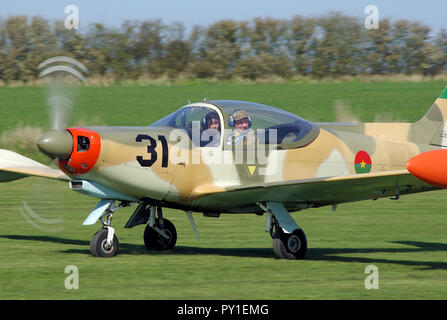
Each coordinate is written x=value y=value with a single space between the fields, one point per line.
x=14 y=166
x=329 y=190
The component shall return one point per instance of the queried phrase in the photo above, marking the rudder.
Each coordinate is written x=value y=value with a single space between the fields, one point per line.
x=432 y=127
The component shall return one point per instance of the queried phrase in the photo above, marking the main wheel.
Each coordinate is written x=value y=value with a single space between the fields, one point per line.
x=155 y=241
x=290 y=245
x=99 y=246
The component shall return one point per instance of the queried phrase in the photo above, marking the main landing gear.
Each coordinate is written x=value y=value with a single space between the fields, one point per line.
x=289 y=245
x=289 y=240
x=160 y=233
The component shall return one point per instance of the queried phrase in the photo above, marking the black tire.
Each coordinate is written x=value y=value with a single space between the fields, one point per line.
x=277 y=243
x=98 y=245
x=154 y=241
x=290 y=246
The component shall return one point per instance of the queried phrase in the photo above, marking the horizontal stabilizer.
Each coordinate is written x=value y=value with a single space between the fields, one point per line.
x=14 y=166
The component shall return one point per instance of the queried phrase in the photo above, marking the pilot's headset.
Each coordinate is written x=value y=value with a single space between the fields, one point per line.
x=239 y=114
x=207 y=117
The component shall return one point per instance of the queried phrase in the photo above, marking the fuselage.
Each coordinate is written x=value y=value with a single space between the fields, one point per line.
x=164 y=164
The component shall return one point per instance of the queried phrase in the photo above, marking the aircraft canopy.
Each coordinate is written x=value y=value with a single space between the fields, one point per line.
x=270 y=125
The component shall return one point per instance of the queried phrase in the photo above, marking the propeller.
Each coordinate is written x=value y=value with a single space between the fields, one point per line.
x=58 y=142
x=60 y=106
x=60 y=72
x=61 y=75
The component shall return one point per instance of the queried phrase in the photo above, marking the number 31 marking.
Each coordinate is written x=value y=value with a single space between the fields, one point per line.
x=151 y=150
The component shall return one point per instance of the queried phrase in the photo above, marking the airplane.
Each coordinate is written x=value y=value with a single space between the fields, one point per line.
x=230 y=157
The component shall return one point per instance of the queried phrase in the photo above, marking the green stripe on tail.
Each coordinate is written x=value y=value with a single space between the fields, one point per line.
x=444 y=94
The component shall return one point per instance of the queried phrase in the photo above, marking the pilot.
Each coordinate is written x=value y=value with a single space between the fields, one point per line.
x=240 y=120
x=211 y=126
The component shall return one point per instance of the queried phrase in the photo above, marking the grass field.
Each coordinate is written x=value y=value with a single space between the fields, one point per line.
x=405 y=239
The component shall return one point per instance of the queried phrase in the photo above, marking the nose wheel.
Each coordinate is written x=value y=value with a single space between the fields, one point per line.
x=100 y=247
x=104 y=243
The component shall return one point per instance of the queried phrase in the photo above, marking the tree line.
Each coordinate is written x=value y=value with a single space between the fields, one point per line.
x=327 y=46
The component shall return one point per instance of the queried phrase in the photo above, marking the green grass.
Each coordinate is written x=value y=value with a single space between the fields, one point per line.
x=136 y=106
x=405 y=239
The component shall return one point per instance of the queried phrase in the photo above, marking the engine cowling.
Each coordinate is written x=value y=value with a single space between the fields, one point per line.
x=85 y=153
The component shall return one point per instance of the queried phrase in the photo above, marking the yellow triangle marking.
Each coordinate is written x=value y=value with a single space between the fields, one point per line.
x=251 y=169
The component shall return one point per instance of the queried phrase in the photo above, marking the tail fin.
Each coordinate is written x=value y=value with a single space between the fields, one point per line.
x=432 y=128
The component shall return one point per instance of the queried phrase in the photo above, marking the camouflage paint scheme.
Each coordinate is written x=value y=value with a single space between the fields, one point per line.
x=319 y=172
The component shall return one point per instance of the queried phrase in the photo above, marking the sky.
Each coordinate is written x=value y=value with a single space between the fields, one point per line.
x=205 y=12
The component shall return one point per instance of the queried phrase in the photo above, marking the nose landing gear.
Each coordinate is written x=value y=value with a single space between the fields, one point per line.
x=104 y=243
